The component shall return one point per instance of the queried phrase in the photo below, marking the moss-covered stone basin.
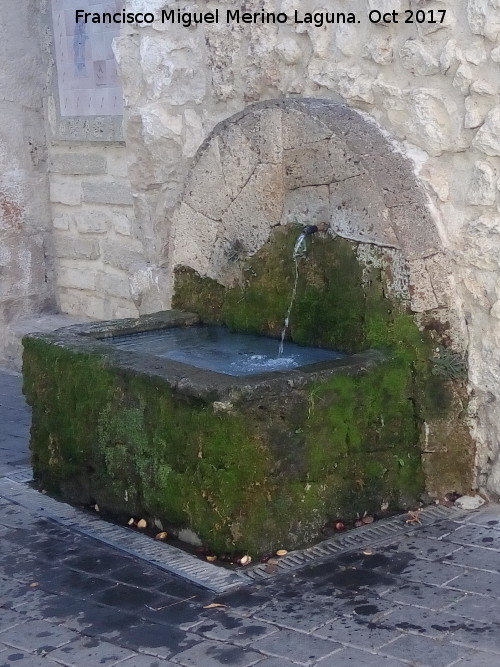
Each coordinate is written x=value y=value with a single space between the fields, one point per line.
x=258 y=462
x=242 y=461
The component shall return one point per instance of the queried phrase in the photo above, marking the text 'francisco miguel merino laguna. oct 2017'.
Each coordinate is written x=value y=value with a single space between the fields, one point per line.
x=241 y=17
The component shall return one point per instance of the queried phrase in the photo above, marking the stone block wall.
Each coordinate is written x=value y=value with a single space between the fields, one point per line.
x=433 y=88
x=98 y=255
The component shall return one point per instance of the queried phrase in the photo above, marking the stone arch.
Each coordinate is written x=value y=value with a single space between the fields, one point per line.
x=313 y=161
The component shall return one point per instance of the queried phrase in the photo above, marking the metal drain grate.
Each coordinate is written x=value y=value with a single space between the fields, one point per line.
x=21 y=475
x=182 y=564
x=162 y=555
x=355 y=539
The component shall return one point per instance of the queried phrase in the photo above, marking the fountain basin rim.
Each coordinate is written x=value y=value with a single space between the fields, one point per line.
x=93 y=338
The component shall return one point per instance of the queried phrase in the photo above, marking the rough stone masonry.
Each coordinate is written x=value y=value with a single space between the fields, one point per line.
x=433 y=86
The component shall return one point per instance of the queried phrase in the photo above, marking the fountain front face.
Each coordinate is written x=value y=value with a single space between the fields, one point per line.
x=119 y=422
x=250 y=462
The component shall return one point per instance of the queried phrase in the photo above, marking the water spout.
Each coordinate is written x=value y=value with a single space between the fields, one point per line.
x=299 y=250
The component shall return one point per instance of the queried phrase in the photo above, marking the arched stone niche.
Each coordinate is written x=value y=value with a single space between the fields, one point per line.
x=308 y=161
x=312 y=161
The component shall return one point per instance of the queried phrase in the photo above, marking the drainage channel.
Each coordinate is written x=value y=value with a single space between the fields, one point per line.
x=15 y=488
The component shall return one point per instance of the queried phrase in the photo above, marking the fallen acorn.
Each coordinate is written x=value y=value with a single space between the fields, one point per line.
x=245 y=560
x=368 y=519
x=131 y=521
x=161 y=536
x=211 y=558
x=271 y=568
x=142 y=523
x=358 y=523
x=281 y=552
x=340 y=525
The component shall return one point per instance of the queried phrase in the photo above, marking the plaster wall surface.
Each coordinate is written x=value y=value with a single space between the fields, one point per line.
x=434 y=88
x=26 y=268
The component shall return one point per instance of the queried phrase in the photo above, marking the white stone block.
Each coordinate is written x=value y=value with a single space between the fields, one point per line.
x=422 y=297
x=123 y=256
x=487 y=138
x=91 y=222
x=416 y=58
x=76 y=248
x=484 y=18
x=61 y=222
x=258 y=207
x=122 y=224
x=194 y=238
x=206 y=190
x=112 y=285
x=307 y=206
x=69 y=193
x=476 y=110
x=77 y=163
x=76 y=278
x=107 y=193
x=482 y=189
x=380 y=48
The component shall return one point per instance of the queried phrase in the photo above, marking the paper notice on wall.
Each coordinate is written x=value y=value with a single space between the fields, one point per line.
x=86 y=67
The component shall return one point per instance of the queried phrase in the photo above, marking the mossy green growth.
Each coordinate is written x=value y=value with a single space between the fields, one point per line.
x=125 y=441
x=339 y=304
x=270 y=471
x=329 y=306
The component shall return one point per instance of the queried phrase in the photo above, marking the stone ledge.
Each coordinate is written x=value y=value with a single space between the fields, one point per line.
x=77 y=164
x=107 y=193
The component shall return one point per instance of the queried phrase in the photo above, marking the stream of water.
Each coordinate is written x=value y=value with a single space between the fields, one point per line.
x=298 y=251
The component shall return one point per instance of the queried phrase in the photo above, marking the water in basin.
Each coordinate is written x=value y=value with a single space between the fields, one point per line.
x=217 y=349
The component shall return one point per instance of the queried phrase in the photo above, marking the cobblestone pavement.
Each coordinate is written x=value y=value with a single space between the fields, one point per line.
x=430 y=597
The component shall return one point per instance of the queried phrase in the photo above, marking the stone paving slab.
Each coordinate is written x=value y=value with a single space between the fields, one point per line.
x=482 y=536
x=424 y=651
x=359 y=633
x=477 y=581
x=146 y=661
x=422 y=595
x=351 y=657
x=475 y=558
x=305 y=616
x=477 y=608
x=477 y=660
x=37 y=636
x=213 y=654
x=13 y=658
x=90 y=652
x=238 y=631
x=421 y=547
x=302 y=648
x=415 y=620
